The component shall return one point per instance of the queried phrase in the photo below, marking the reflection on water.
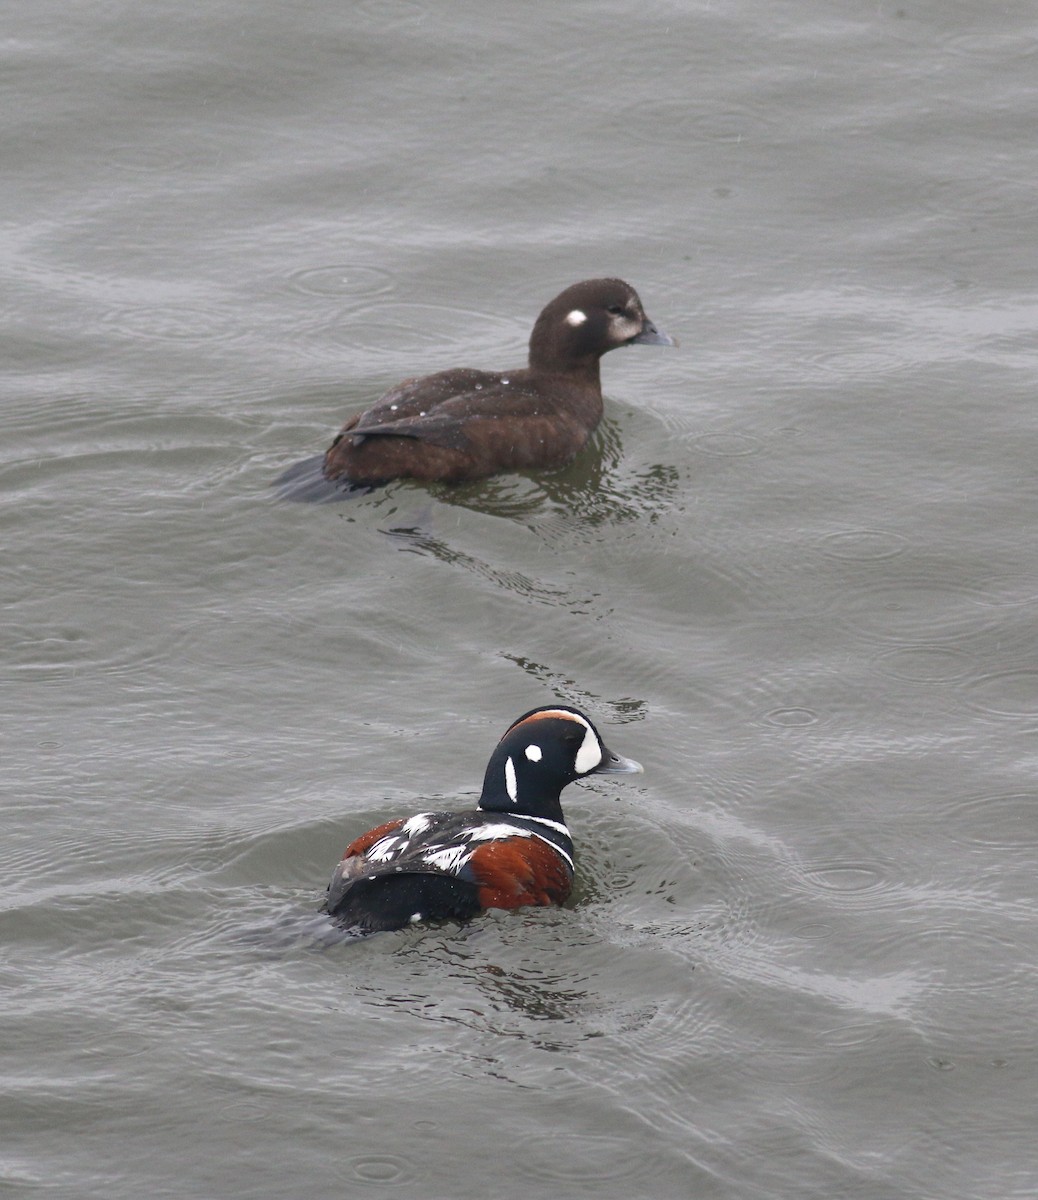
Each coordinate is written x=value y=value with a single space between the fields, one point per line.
x=618 y=712
x=580 y=506
x=413 y=541
x=599 y=488
x=596 y=489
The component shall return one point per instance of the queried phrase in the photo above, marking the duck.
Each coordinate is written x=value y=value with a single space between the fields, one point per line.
x=465 y=424
x=513 y=849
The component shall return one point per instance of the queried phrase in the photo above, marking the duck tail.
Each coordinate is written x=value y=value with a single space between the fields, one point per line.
x=305 y=483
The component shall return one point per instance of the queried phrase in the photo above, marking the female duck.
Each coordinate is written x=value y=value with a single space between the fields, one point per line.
x=465 y=424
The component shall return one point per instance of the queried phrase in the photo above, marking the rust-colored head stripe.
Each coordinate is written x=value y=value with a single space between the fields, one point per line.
x=558 y=713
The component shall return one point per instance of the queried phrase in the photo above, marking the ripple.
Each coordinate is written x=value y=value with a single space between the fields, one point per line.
x=342 y=279
x=576 y=1158
x=20 y=1176
x=846 y=877
x=128 y=1045
x=52 y=654
x=847 y=1037
x=509 y=497
x=917 y=610
x=813 y=932
x=61 y=653
x=242 y=1110
x=863 y=361
x=176 y=322
x=677 y=122
x=601 y=488
x=791 y=718
x=385 y=1169
x=993 y=46
x=924 y=664
x=1008 y=591
x=525 y=587
x=147 y=159
x=623 y=855
x=863 y=545
x=967 y=959
x=397 y=13
x=1006 y=693
x=441 y=326
x=619 y=712
x=728 y=445
x=1000 y=819
x=987 y=196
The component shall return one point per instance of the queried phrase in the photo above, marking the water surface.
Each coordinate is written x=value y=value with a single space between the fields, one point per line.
x=795 y=575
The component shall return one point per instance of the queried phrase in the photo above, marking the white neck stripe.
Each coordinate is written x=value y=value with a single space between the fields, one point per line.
x=557 y=825
x=554 y=845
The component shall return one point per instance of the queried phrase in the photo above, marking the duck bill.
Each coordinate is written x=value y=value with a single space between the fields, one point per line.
x=651 y=336
x=616 y=764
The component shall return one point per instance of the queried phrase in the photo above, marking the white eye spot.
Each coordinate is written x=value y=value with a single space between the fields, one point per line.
x=533 y=753
x=590 y=753
x=392 y=408
x=504 y=381
x=415 y=917
x=510 y=784
x=576 y=317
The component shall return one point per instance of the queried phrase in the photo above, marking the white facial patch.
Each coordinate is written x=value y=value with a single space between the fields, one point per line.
x=511 y=787
x=590 y=753
x=576 y=317
x=533 y=753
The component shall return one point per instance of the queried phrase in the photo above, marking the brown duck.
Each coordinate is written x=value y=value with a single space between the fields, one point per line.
x=465 y=424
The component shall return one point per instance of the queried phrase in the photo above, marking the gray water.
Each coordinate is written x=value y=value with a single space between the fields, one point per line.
x=796 y=575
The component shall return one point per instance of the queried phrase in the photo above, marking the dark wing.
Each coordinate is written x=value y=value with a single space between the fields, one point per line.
x=436 y=430
x=420 y=396
x=392 y=901
x=437 y=867
x=463 y=422
x=364 y=843
x=387 y=850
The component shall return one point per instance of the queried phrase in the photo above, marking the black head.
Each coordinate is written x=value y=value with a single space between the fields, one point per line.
x=540 y=753
x=586 y=321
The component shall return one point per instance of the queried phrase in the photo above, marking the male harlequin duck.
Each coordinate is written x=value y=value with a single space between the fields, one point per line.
x=512 y=849
x=466 y=424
